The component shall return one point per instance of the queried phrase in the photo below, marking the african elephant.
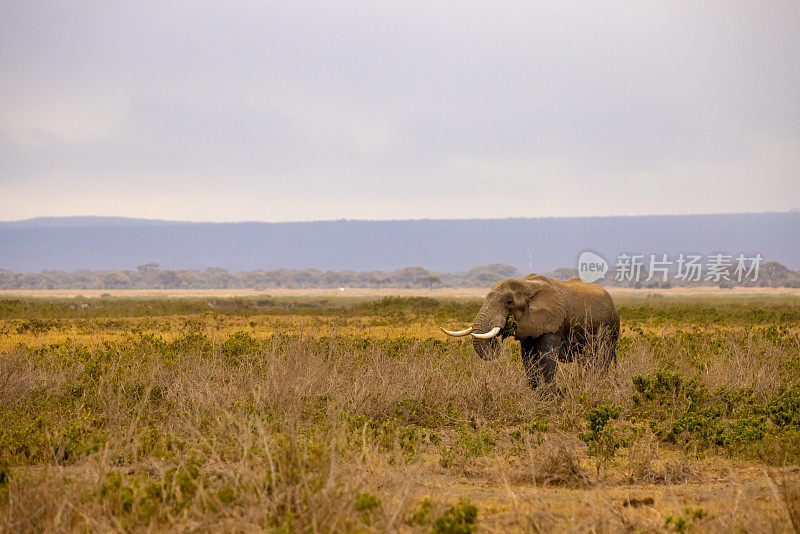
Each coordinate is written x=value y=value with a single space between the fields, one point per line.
x=552 y=319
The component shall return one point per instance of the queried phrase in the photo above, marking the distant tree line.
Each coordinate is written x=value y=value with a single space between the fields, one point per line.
x=770 y=274
x=152 y=276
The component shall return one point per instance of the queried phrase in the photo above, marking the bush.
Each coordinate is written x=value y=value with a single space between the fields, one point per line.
x=601 y=438
x=366 y=502
x=459 y=519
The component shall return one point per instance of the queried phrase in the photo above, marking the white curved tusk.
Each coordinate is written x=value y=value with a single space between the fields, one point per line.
x=488 y=335
x=460 y=333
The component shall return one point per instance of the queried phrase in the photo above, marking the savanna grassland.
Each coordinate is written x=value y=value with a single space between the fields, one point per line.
x=313 y=414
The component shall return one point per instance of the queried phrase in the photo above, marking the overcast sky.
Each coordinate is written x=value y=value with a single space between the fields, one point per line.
x=294 y=110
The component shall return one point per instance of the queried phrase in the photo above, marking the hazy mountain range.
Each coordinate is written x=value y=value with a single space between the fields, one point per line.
x=529 y=244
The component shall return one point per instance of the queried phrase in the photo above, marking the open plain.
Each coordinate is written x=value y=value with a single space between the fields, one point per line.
x=328 y=410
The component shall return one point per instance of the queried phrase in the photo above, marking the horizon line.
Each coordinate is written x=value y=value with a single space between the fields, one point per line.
x=347 y=219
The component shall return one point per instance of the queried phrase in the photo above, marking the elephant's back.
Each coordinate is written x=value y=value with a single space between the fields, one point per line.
x=589 y=301
x=579 y=286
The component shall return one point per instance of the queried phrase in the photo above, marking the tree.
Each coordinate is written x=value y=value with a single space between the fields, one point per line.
x=147 y=268
x=408 y=276
x=169 y=280
x=430 y=280
x=114 y=280
x=563 y=273
x=380 y=279
x=775 y=273
x=489 y=275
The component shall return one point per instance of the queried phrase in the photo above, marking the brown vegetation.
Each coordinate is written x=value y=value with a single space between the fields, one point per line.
x=250 y=419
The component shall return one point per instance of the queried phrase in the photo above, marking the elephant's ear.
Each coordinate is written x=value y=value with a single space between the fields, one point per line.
x=546 y=310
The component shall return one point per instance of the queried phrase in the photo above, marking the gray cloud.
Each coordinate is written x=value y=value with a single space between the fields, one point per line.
x=380 y=110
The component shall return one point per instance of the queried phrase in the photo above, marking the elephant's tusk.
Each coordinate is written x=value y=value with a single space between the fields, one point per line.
x=460 y=333
x=488 y=335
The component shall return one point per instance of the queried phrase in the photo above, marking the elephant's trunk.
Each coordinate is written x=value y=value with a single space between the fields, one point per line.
x=489 y=316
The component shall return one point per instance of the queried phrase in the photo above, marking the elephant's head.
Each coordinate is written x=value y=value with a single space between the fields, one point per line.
x=519 y=307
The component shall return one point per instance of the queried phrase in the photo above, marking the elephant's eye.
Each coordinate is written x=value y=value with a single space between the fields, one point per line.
x=510 y=302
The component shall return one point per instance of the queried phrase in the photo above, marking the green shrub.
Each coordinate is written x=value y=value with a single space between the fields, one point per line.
x=237 y=345
x=602 y=439
x=458 y=519
x=226 y=495
x=681 y=522
x=470 y=444
x=785 y=409
x=367 y=501
x=474 y=444
x=684 y=412
x=535 y=428
x=422 y=515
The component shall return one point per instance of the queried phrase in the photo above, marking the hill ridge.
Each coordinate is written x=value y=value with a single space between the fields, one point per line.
x=529 y=244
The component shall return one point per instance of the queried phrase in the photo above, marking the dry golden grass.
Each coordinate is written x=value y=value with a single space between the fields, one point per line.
x=225 y=421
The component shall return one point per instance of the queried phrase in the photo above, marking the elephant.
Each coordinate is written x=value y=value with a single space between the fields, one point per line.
x=554 y=320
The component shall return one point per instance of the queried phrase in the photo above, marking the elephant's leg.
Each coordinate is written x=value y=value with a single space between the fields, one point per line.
x=607 y=346
x=540 y=358
x=612 y=345
x=528 y=361
x=573 y=345
x=548 y=348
